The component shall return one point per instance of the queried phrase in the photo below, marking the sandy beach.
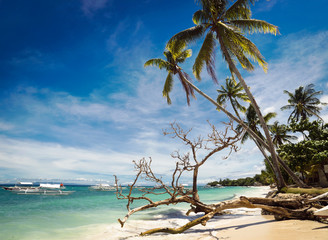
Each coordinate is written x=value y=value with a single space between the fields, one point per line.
x=240 y=223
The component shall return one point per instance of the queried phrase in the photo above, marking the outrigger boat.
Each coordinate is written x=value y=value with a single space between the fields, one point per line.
x=103 y=187
x=43 y=189
x=21 y=186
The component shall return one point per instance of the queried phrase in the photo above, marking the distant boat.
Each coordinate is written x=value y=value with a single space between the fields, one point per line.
x=103 y=187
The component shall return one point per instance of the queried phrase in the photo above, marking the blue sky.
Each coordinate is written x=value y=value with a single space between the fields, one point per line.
x=76 y=102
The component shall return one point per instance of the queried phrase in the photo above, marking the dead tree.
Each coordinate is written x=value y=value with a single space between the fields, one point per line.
x=191 y=162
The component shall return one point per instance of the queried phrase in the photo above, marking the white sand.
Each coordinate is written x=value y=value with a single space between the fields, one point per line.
x=242 y=223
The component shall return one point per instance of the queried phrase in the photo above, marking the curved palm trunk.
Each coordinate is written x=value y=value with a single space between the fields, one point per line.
x=280 y=181
x=234 y=108
x=250 y=131
x=259 y=146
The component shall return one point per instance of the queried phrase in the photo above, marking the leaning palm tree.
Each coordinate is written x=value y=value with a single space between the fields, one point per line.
x=227 y=24
x=232 y=92
x=174 y=54
x=279 y=134
x=304 y=103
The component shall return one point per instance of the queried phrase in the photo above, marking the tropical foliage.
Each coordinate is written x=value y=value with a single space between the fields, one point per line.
x=225 y=24
x=232 y=92
x=304 y=102
x=252 y=121
x=259 y=179
x=310 y=154
x=280 y=134
x=175 y=53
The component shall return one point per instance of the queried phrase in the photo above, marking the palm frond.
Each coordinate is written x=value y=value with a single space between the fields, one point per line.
x=239 y=10
x=269 y=116
x=175 y=47
x=168 y=87
x=205 y=56
x=255 y=26
x=200 y=17
x=187 y=88
x=241 y=47
x=189 y=35
x=182 y=56
x=158 y=62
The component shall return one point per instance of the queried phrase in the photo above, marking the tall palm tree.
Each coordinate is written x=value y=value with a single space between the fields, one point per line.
x=279 y=134
x=232 y=92
x=226 y=24
x=304 y=103
x=174 y=54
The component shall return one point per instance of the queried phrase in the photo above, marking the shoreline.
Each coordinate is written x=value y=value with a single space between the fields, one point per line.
x=241 y=223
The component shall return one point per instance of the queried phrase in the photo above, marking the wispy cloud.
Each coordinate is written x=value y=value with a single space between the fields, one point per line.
x=57 y=134
x=302 y=60
x=89 y=7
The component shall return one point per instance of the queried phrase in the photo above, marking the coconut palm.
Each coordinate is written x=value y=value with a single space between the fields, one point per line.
x=304 y=103
x=279 y=134
x=232 y=92
x=226 y=24
x=253 y=122
x=174 y=54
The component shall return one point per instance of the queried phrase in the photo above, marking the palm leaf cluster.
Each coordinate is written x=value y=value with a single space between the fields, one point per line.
x=232 y=92
x=304 y=102
x=174 y=53
x=280 y=135
x=227 y=24
x=252 y=121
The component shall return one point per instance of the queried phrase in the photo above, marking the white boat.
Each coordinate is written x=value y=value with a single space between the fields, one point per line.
x=43 y=189
x=20 y=186
x=103 y=187
x=51 y=186
x=323 y=212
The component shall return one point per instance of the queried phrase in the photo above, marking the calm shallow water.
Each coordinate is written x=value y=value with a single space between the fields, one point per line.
x=26 y=217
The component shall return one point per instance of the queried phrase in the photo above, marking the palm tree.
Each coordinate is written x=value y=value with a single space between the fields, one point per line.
x=304 y=103
x=227 y=25
x=279 y=134
x=253 y=122
x=232 y=91
x=174 y=54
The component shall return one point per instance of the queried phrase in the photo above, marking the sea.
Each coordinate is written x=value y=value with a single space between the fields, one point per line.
x=32 y=217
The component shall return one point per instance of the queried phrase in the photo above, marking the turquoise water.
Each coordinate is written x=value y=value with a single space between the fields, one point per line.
x=26 y=217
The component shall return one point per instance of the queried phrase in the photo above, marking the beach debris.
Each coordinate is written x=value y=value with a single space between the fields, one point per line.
x=281 y=205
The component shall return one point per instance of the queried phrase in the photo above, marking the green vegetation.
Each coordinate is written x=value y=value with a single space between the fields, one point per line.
x=305 y=190
x=259 y=179
x=306 y=157
x=311 y=154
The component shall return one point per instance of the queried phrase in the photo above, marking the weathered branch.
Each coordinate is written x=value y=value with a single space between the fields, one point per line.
x=277 y=207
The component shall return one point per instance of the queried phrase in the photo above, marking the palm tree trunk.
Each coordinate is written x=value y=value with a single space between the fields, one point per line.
x=234 y=108
x=280 y=181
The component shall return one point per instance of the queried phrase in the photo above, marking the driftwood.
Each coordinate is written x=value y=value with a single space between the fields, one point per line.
x=282 y=208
